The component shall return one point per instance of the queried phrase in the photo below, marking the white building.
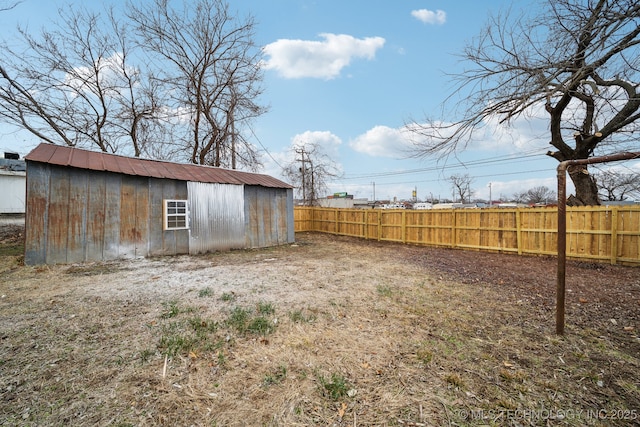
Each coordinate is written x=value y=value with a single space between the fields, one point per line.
x=13 y=184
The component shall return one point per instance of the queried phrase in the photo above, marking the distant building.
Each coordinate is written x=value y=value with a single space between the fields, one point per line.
x=422 y=205
x=343 y=203
x=13 y=184
x=448 y=205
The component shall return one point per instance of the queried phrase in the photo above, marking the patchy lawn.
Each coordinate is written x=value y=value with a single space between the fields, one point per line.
x=328 y=331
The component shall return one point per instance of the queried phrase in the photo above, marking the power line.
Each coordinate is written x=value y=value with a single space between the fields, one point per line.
x=465 y=165
x=265 y=148
x=438 y=180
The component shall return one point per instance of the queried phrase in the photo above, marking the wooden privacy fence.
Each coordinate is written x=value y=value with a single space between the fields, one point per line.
x=597 y=233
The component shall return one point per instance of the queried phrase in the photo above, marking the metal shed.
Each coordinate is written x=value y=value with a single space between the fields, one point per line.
x=92 y=206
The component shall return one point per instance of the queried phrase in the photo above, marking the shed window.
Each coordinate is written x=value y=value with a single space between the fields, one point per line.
x=175 y=215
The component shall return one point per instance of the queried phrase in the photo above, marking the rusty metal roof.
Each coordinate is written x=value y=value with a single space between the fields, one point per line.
x=82 y=159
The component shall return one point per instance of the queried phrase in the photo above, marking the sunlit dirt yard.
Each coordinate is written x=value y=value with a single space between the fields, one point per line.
x=327 y=331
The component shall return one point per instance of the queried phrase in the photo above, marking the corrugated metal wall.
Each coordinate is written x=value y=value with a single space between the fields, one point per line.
x=269 y=216
x=76 y=215
x=216 y=213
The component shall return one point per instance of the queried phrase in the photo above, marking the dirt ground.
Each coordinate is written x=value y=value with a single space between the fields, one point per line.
x=328 y=331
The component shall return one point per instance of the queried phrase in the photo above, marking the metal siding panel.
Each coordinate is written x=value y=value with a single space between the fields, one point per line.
x=281 y=219
x=133 y=217
x=261 y=216
x=269 y=216
x=37 y=214
x=76 y=217
x=252 y=222
x=181 y=192
x=57 y=232
x=156 y=233
x=129 y=233
x=216 y=217
x=291 y=230
x=182 y=241
x=112 y=216
x=266 y=197
x=278 y=198
x=94 y=246
x=167 y=242
x=142 y=217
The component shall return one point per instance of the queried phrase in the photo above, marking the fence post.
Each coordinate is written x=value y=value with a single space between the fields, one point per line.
x=519 y=230
x=454 y=228
x=614 y=234
x=562 y=225
x=313 y=219
x=404 y=226
x=365 y=231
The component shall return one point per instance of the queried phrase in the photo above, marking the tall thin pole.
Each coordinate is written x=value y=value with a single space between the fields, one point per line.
x=562 y=247
x=562 y=226
x=304 y=174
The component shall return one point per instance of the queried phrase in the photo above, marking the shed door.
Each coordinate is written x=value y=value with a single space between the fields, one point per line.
x=216 y=217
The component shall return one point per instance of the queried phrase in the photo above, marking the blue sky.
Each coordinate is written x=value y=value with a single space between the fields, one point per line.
x=351 y=74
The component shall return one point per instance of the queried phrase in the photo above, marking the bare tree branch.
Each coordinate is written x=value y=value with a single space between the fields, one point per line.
x=214 y=75
x=618 y=186
x=309 y=172
x=461 y=187
x=160 y=83
x=578 y=58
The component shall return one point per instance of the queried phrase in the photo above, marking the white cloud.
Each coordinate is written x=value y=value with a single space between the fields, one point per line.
x=325 y=139
x=83 y=79
x=430 y=17
x=383 y=141
x=324 y=59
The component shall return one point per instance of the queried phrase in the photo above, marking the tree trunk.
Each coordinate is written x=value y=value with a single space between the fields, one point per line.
x=586 y=188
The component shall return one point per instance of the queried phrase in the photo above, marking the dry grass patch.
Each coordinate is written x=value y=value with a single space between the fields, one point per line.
x=330 y=331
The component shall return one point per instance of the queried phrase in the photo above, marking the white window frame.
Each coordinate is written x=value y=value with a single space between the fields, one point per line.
x=179 y=210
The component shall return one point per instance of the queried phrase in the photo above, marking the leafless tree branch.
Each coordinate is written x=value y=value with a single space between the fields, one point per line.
x=580 y=59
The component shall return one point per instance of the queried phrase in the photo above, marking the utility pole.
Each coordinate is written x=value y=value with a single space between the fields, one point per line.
x=233 y=142
x=303 y=171
x=489 y=194
x=232 y=108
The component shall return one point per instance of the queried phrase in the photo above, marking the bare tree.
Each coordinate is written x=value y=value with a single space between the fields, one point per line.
x=618 y=186
x=160 y=84
x=72 y=85
x=577 y=60
x=461 y=187
x=8 y=5
x=536 y=195
x=212 y=71
x=309 y=172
